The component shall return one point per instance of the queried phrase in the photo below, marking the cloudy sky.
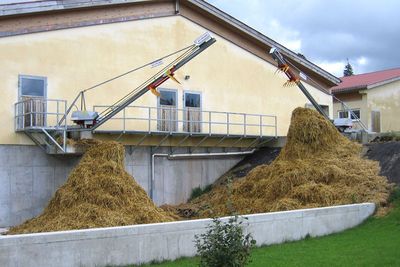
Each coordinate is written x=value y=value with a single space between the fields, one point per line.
x=367 y=32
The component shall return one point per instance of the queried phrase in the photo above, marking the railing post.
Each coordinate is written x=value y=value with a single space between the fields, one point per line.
x=170 y=120
x=65 y=115
x=227 y=123
x=209 y=123
x=149 y=108
x=276 y=127
x=15 y=117
x=124 y=119
x=30 y=110
x=260 y=125
x=58 y=111
x=23 y=114
x=244 y=124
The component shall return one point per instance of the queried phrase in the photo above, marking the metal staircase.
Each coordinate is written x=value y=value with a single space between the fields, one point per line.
x=45 y=120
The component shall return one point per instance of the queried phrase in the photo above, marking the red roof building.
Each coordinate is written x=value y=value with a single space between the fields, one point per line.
x=374 y=97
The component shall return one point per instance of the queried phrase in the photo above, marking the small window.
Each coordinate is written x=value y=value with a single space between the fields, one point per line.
x=192 y=100
x=356 y=112
x=167 y=98
x=343 y=115
x=353 y=114
x=32 y=86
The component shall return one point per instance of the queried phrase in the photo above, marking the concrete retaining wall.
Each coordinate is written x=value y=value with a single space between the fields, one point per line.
x=143 y=243
x=29 y=177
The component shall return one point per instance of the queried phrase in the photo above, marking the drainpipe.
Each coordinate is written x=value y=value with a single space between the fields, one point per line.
x=189 y=155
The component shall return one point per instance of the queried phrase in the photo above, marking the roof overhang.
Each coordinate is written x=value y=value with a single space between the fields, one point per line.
x=49 y=6
x=371 y=86
x=264 y=39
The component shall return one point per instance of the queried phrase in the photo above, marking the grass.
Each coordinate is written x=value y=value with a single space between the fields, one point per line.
x=374 y=243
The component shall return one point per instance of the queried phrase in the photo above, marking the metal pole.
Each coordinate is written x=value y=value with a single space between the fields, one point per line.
x=30 y=111
x=124 y=119
x=244 y=124
x=149 y=119
x=209 y=123
x=227 y=123
x=57 y=113
x=170 y=120
x=23 y=114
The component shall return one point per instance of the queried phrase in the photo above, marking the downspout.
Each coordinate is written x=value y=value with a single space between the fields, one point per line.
x=190 y=155
x=177 y=6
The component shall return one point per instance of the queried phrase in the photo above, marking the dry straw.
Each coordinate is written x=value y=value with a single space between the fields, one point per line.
x=317 y=167
x=98 y=193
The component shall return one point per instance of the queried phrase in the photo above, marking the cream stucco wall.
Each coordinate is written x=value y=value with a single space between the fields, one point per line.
x=354 y=101
x=386 y=99
x=229 y=78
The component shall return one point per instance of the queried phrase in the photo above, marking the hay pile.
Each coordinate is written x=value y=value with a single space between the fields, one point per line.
x=317 y=167
x=98 y=193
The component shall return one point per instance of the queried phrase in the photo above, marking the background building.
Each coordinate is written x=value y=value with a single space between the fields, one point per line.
x=374 y=97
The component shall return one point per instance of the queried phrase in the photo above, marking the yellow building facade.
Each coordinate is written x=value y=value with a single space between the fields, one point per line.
x=227 y=77
x=229 y=100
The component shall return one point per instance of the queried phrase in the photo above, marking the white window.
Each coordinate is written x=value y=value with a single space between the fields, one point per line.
x=192 y=111
x=32 y=86
x=353 y=114
x=166 y=112
x=33 y=91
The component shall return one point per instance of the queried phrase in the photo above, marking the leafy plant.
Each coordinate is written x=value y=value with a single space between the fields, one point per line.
x=198 y=191
x=224 y=244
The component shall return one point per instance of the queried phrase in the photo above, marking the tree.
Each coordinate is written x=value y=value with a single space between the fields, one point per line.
x=348 y=69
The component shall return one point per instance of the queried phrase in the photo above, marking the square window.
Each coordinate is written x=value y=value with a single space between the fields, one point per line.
x=32 y=86
x=192 y=100
x=355 y=112
x=167 y=98
x=343 y=114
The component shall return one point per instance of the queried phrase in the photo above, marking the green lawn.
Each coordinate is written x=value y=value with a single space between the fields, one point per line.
x=374 y=243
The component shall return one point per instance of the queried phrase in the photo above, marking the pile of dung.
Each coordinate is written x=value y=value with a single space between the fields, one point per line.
x=317 y=167
x=98 y=193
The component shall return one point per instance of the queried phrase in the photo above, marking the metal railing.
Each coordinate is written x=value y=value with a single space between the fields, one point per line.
x=38 y=113
x=189 y=120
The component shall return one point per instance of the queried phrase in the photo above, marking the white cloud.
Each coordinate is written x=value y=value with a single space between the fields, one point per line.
x=327 y=32
x=334 y=67
x=362 y=61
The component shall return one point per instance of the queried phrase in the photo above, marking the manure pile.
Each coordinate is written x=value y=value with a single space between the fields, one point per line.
x=317 y=167
x=98 y=193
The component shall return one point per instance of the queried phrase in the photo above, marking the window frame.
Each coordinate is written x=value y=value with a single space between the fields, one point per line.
x=167 y=90
x=33 y=77
x=192 y=92
x=349 y=113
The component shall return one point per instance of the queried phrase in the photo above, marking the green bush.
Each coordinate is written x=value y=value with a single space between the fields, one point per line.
x=224 y=244
x=198 y=191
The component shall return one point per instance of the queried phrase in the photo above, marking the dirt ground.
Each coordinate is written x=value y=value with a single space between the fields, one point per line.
x=388 y=155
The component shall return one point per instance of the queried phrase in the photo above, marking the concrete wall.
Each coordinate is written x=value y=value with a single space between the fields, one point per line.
x=29 y=177
x=143 y=243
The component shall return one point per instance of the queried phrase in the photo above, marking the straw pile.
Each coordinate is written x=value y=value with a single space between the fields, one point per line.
x=317 y=167
x=98 y=193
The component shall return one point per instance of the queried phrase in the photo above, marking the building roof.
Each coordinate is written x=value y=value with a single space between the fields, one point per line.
x=46 y=6
x=366 y=80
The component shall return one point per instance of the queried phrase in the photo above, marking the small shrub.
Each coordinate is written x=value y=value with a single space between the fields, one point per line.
x=198 y=191
x=224 y=244
x=395 y=195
